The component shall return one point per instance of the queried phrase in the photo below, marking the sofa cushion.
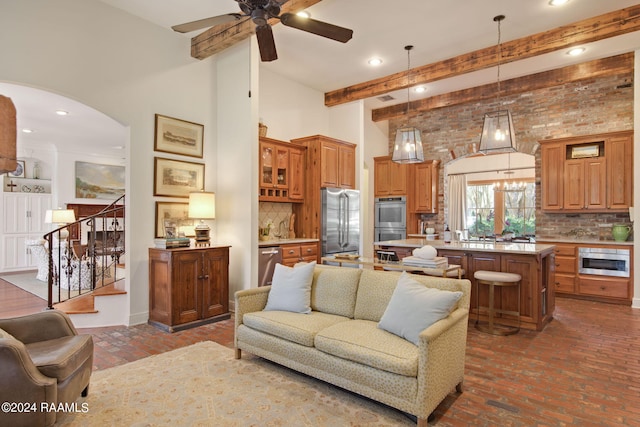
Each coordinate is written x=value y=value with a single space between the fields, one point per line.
x=291 y=288
x=414 y=307
x=60 y=357
x=334 y=290
x=374 y=293
x=296 y=327
x=363 y=342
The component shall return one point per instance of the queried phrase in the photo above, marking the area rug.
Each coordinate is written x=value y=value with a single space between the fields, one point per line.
x=203 y=385
x=28 y=282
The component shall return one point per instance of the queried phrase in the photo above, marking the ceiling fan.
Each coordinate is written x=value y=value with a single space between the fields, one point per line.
x=260 y=11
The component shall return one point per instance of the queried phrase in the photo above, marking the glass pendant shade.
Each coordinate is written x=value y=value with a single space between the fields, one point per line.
x=408 y=146
x=497 y=133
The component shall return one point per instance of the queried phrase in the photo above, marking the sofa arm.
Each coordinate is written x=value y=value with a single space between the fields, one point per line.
x=42 y=326
x=249 y=301
x=441 y=359
x=23 y=383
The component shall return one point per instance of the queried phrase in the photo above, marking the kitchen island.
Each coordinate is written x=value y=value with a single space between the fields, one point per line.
x=534 y=262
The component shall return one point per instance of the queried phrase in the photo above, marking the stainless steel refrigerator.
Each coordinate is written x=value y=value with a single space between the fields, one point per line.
x=340 y=221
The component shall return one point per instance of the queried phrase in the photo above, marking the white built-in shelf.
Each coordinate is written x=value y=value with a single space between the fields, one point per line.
x=25 y=185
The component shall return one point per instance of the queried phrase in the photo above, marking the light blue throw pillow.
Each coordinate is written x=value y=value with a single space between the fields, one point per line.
x=414 y=307
x=291 y=288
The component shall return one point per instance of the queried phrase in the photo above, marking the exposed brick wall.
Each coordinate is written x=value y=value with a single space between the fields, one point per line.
x=574 y=109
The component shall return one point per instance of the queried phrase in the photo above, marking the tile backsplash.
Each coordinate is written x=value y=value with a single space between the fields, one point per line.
x=274 y=213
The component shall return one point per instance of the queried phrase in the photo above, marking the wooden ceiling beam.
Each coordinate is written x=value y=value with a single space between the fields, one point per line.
x=220 y=37
x=572 y=73
x=611 y=24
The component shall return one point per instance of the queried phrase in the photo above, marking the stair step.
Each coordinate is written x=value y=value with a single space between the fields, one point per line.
x=84 y=304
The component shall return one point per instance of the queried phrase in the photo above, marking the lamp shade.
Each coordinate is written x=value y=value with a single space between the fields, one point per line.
x=497 y=133
x=59 y=216
x=408 y=146
x=202 y=205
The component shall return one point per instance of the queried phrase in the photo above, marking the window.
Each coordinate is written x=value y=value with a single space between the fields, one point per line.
x=495 y=208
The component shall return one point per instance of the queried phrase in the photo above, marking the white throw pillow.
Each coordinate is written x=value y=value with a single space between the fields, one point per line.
x=291 y=288
x=414 y=307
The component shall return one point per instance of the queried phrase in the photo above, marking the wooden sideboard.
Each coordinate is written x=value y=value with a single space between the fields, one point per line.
x=188 y=286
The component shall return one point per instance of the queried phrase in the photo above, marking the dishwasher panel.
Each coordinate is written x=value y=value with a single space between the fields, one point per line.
x=267 y=260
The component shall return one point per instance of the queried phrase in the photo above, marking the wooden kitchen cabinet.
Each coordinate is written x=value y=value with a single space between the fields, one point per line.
x=602 y=183
x=282 y=168
x=390 y=178
x=424 y=183
x=188 y=286
x=332 y=159
x=570 y=283
x=295 y=253
x=329 y=163
x=566 y=268
x=553 y=156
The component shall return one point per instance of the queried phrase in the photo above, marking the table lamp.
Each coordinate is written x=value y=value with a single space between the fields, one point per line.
x=202 y=205
x=60 y=217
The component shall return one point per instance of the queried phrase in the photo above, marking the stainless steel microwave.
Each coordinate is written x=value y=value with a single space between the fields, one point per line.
x=604 y=261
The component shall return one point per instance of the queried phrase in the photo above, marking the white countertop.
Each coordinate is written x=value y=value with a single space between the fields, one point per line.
x=503 y=247
x=278 y=242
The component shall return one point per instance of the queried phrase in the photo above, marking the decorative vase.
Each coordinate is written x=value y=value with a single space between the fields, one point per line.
x=36 y=170
x=620 y=232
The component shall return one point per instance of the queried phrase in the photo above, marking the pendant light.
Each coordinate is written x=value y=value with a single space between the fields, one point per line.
x=497 y=130
x=408 y=145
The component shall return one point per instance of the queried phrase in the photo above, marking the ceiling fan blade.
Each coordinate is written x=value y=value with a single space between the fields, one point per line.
x=320 y=28
x=207 y=22
x=266 y=44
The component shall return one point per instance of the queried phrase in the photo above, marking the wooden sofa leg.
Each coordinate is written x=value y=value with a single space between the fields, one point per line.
x=85 y=392
x=238 y=353
x=459 y=387
x=423 y=422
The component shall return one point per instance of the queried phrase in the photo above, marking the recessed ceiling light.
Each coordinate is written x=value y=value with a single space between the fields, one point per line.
x=62 y=112
x=303 y=14
x=118 y=147
x=576 y=51
x=557 y=2
x=420 y=89
x=25 y=130
x=374 y=62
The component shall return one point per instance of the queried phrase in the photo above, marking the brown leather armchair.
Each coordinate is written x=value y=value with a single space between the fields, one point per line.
x=43 y=362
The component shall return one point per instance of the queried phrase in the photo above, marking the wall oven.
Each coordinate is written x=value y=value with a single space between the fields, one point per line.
x=391 y=212
x=383 y=234
x=604 y=261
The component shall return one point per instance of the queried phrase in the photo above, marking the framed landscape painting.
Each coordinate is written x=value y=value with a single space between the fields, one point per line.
x=178 y=136
x=96 y=181
x=173 y=218
x=175 y=178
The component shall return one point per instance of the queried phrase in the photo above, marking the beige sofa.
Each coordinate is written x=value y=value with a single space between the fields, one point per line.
x=340 y=342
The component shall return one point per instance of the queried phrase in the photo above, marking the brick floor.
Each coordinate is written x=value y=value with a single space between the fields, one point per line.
x=582 y=370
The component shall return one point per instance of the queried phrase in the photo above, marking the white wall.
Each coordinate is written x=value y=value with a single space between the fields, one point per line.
x=237 y=196
x=291 y=110
x=128 y=69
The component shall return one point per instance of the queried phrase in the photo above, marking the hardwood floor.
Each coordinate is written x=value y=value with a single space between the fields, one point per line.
x=16 y=302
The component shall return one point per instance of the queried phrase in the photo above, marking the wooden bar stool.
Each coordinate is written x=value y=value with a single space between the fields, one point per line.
x=493 y=279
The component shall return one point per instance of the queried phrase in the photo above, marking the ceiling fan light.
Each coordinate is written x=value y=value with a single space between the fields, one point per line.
x=304 y=14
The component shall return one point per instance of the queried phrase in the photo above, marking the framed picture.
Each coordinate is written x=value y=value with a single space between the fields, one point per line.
x=178 y=136
x=172 y=220
x=175 y=178
x=96 y=181
x=19 y=172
